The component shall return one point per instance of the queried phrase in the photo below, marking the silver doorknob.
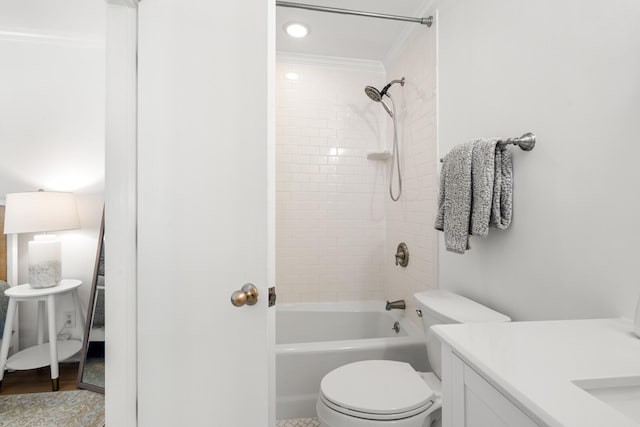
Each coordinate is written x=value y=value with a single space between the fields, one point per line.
x=248 y=295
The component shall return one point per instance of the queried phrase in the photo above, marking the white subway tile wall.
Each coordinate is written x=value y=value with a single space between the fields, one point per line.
x=411 y=219
x=330 y=200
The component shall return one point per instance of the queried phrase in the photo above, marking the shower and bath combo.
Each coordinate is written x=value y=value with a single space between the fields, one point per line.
x=378 y=96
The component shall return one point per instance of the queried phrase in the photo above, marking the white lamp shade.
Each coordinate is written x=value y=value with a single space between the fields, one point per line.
x=40 y=211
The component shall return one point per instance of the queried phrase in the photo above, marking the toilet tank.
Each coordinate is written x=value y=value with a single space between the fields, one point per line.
x=440 y=307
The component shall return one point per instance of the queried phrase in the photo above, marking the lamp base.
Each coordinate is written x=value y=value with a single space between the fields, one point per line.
x=45 y=274
x=44 y=261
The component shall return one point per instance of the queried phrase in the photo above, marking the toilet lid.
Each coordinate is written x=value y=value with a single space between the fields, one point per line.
x=383 y=387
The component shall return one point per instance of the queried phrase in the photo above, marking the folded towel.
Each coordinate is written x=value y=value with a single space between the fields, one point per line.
x=502 y=204
x=476 y=192
x=483 y=171
x=454 y=202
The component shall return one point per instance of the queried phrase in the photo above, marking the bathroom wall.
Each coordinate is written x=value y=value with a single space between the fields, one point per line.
x=330 y=212
x=410 y=219
x=52 y=127
x=569 y=72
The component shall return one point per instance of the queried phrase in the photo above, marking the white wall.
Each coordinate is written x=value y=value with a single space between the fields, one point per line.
x=569 y=72
x=80 y=20
x=52 y=127
x=330 y=219
x=410 y=219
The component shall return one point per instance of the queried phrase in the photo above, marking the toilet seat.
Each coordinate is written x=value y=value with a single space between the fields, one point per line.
x=374 y=416
x=383 y=390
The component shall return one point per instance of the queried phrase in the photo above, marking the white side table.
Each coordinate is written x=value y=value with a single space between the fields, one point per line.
x=42 y=354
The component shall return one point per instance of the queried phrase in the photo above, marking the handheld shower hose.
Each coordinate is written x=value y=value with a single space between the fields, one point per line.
x=378 y=96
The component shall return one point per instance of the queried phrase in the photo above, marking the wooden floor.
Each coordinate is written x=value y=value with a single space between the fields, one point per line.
x=39 y=380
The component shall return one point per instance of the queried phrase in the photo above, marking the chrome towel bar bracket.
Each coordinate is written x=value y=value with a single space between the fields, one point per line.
x=525 y=142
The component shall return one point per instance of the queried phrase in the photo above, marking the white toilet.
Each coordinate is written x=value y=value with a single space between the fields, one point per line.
x=377 y=393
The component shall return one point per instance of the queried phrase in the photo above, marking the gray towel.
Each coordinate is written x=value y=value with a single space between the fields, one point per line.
x=483 y=171
x=454 y=202
x=476 y=192
x=502 y=204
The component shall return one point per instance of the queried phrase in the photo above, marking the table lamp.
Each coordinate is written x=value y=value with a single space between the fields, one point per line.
x=41 y=212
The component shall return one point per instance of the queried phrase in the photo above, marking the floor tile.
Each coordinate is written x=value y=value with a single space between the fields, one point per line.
x=299 y=422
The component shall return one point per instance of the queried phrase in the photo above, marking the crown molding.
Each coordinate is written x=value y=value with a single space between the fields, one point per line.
x=428 y=9
x=330 y=61
x=127 y=3
x=29 y=35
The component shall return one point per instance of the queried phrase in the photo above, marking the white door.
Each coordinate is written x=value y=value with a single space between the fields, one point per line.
x=204 y=135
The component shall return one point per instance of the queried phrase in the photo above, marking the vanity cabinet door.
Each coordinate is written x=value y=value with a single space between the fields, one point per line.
x=476 y=403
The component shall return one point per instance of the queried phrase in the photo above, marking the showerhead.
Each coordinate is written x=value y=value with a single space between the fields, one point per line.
x=373 y=93
x=377 y=95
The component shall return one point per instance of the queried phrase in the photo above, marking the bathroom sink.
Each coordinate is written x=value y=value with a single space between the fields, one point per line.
x=622 y=394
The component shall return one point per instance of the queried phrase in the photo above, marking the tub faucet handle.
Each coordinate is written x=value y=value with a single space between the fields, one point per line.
x=402 y=255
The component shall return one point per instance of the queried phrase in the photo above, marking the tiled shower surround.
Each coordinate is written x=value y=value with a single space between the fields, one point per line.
x=336 y=228
x=330 y=219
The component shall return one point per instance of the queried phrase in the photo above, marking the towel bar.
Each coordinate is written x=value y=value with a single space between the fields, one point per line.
x=526 y=142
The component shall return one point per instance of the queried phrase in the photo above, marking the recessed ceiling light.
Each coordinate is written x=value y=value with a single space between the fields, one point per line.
x=292 y=76
x=296 y=30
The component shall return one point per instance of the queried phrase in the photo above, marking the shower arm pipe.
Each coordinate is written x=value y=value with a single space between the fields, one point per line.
x=423 y=21
x=526 y=142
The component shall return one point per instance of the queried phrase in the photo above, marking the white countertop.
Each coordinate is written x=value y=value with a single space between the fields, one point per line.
x=534 y=363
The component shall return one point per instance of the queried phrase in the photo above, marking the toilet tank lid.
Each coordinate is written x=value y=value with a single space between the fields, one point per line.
x=452 y=308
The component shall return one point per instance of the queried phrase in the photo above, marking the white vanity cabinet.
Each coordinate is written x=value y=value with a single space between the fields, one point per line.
x=470 y=401
x=556 y=373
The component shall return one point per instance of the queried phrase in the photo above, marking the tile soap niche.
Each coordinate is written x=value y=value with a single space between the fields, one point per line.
x=380 y=155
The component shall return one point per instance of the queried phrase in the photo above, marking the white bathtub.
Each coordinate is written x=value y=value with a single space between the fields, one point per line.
x=312 y=339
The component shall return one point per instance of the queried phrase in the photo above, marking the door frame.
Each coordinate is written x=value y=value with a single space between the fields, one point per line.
x=121 y=171
x=121 y=182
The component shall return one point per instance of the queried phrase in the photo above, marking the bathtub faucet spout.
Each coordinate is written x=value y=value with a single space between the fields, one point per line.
x=399 y=304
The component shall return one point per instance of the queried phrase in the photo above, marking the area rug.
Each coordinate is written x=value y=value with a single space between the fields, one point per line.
x=78 y=408
x=94 y=371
